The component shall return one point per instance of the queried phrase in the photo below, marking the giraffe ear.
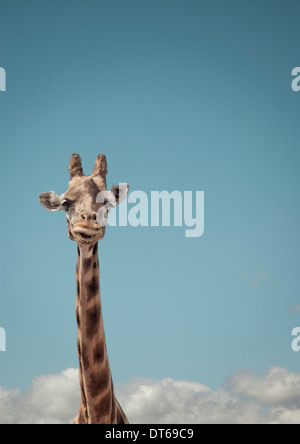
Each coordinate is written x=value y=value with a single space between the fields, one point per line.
x=120 y=192
x=51 y=201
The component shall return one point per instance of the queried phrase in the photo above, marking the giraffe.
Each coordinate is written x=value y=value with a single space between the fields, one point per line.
x=99 y=404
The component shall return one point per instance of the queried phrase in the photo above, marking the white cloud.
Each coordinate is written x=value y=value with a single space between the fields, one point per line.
x=52 y=399
x=278 y=387
x=247 y=399
x=182 y=402
x=283 y=416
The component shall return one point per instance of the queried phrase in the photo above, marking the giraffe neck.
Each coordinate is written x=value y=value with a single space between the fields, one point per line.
x=98 y=401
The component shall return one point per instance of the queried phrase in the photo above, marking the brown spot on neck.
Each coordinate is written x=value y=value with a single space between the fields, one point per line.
x=93 y=288
x=99 y=353
x=95 y=249
x=103 y=407
x=99 y=383
x=87 y=264
x=93 y=321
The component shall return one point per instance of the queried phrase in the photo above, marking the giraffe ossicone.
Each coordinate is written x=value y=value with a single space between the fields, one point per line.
x=98 y=401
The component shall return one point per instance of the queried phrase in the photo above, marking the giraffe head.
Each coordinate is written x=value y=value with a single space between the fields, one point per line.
x=83 y=200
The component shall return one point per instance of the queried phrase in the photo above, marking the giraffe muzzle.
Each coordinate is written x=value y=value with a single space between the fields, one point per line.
x=88 y=234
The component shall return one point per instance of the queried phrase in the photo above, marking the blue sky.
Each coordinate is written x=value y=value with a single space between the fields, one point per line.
x=180 y=95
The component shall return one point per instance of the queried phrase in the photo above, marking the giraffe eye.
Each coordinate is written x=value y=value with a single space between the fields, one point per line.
x=66 y=205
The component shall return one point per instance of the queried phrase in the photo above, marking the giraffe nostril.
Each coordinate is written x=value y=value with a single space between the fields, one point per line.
x=89 y=216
